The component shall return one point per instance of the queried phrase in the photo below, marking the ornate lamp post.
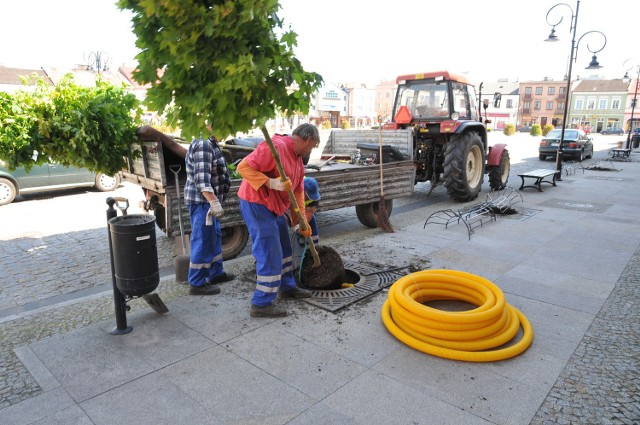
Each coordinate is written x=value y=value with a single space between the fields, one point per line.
x=633 y=103
x=98 y=61
x=572 y=58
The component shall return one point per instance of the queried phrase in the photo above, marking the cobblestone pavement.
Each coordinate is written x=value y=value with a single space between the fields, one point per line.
x=600 y=384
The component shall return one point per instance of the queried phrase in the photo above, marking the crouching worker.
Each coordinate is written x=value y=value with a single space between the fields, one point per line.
x=311 y=199
x=264 y=199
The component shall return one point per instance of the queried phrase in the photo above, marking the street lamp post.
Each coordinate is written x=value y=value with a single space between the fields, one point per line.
x=572 y=57
x=633 y=104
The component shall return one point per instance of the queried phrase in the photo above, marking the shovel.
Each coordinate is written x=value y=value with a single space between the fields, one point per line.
x=181 y=262
x=334 y=269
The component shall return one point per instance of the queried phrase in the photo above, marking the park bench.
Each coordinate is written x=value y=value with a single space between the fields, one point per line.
x=539 y=175
x=620 y=152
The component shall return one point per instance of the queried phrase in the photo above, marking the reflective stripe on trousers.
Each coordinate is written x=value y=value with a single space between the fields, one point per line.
x=206 y=247
x=271 y=248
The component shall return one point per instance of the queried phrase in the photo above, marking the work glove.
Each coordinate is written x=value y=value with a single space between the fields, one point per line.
x=277 y=184
x=305 y=233
x=215 y=210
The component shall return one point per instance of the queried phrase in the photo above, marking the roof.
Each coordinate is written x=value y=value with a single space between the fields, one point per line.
x=503 y=87
x=590 y=86
x=11 y=76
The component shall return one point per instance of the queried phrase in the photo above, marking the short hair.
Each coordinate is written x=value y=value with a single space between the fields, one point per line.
x=307 y=132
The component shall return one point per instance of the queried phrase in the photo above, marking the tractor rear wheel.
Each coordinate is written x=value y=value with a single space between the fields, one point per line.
x=464 y=167
x=499 y=174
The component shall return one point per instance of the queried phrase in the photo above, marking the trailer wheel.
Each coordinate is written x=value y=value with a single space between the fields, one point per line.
x=368 y=213
x=464 y=167
x=499 y=174
x=234 y=239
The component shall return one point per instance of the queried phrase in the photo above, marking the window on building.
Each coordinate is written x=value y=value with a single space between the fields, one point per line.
x=562 y=90
x=551 y=91
x=602 y=104
x=527 y=90
x=537 y=105
x=615 y=104
x=591 y=104
x=331 y=94
x=560 y=106
x=509 y=104
x=539 y=91
x=579 y=103
x=549 y=105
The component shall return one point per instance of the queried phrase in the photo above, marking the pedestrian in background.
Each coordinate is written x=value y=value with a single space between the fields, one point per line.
x=263 y=203
x=207 y=186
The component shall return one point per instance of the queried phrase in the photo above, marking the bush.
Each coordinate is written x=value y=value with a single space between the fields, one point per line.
x=326 y=124
x=345 y=125
x=536 y=130
x=546 y=129
x=509 y=130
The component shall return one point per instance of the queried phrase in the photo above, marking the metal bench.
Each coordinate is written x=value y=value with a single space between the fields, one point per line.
x=620 y=152
x=539 y=175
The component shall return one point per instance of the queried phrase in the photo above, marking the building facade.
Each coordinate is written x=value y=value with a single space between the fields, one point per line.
x=505 y=110
x=542 y=102
x=597 y=105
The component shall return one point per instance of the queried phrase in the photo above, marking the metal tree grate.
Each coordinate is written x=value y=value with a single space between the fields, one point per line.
x=369 y=281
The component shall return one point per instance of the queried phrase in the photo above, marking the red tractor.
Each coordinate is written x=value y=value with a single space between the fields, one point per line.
x=450 y=137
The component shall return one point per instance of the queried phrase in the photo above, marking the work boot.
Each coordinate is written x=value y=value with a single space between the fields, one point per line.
x=267 y=311
x=206 y=289
x=296 y=292
x=224 y=277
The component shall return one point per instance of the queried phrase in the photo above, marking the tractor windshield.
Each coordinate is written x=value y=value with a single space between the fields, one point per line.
x=425 y=100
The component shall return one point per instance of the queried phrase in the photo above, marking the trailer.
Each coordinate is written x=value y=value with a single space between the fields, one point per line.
x=343 y=183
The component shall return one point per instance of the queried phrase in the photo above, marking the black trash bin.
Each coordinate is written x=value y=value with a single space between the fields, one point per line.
x=635 y=140
x=135 y=254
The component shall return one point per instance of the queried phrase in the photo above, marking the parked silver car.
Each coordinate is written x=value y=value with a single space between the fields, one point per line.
x=50 y=177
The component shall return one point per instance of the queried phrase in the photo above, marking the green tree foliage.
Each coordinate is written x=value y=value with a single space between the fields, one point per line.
x=86 y=127
x=509 y=129
x=547 y=128
x=226 y=63
x=536 y=130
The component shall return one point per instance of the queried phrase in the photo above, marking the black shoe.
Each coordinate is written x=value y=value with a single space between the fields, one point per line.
x=206 y=289
x=224 y=277
x=296 y=292
x=267 y=311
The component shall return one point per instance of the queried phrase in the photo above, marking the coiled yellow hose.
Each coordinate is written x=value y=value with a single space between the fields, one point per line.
x=471 y=335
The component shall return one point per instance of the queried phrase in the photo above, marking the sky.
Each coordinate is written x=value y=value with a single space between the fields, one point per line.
x=359 y=40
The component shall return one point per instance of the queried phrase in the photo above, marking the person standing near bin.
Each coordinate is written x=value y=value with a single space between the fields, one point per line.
x=263 y=202
x=207 y=186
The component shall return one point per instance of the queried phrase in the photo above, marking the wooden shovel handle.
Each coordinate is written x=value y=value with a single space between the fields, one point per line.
x=292 y=198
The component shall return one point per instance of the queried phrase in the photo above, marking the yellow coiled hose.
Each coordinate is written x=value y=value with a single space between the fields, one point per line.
x=469 y=335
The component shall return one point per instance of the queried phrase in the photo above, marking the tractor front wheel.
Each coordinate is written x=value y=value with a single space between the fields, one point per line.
x=499 y=174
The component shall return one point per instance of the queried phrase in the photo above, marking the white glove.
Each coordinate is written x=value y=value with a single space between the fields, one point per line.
x=277 y=184
x=215 y=210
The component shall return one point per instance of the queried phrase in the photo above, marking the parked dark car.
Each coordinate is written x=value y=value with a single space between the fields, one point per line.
x=524 y=129
x=577 y=144
x=612 y=130
x=50 y=177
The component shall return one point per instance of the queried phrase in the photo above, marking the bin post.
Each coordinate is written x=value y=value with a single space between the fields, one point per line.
x=118 y=298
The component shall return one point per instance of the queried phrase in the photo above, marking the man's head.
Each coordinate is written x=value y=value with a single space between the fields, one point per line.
x=305 y=137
